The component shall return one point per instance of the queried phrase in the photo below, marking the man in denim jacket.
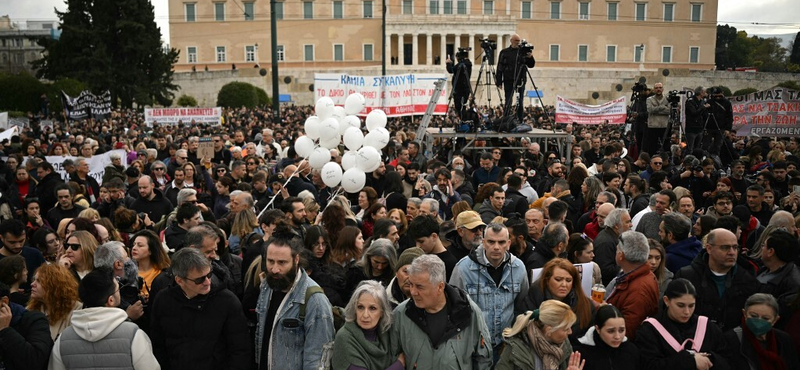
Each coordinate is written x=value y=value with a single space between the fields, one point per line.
x=283 y=339
x=493 y=278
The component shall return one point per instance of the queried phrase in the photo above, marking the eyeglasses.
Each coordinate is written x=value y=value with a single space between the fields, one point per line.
x=74 y=247
x=184 y=158
x=158 y=169
x=221 y=171
x=657 y=163
x=201 y=279
x=727 y=248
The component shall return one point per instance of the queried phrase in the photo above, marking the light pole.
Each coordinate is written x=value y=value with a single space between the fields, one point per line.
x=276 y=106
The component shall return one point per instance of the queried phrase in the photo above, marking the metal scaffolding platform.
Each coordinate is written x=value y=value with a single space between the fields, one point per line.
x=472 y=137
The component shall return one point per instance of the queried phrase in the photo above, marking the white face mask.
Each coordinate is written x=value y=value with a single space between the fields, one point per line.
x=459 y=167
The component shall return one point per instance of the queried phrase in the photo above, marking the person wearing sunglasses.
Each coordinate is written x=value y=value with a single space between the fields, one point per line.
x=115 y=170
x=79 y=253
x=221 y=342
x=158 y=171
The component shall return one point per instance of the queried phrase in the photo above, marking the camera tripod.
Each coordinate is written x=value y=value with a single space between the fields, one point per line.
x=487 y=75
x=519 y=87
x=673 y=118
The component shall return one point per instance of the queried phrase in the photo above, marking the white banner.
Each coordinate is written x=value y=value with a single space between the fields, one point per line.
x=97 y=164
x=172 y=116
x=8 y=133
x=614 y=112
x=3 y=119
x=397 y=95
x=585 y=269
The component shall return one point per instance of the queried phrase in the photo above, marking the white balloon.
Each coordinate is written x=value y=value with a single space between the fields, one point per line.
x=312 y=127
x=331 y=174
x=349 y=121
x=368 y=159
x=319 y=157
x=353 y=138
x=349 y=160
x=324 y=108
x=378 y=138
x=328 y=128
x=331 y=143
x=339 y=114
x=376 y=118
x=304 y=146
x=354 y=103
x=353 y=180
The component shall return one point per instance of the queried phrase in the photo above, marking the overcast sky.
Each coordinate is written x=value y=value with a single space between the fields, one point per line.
x=776 y=16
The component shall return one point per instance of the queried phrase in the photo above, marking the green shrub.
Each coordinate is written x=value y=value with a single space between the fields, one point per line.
x=21 y=92
x=794 y=85
x=237 y=94
x=745 y=91
x=187 y=101
x=263 y=99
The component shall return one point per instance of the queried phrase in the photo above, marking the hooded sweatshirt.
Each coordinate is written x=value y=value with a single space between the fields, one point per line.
x=94 y=325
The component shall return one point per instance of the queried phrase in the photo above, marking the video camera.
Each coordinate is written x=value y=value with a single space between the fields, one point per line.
x=639 y=87
x=487 y=44
x=673 y=97
x=525 y=47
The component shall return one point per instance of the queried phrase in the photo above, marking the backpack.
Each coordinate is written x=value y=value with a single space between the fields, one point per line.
x=338 y=322
x=382 y=199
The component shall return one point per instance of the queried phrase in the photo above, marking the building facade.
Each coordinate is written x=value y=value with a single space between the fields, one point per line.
x=19 y=45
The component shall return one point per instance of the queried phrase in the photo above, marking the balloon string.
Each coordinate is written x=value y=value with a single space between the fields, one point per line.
x=284 y=185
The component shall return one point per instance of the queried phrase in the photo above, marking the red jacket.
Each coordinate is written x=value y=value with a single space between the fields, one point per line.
x=637 y=297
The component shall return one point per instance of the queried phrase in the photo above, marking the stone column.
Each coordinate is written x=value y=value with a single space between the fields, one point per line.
x=442 y=48
x=387 y=53
x=414 y=49
x=401 y=55
x=471 y=44
x=428 y=49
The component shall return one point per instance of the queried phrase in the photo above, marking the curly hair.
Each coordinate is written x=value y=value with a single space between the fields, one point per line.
x=583 y=307
x=124 y=218
x=485 y=192
x=60 y=292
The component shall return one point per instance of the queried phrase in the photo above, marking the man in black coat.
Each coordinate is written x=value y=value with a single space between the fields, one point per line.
x=461 y=71
x=46 y=190
x=722 y=116
x=25 y=341
x=722 y=287
x=515 y=201
x=151 y=201
x=552 y=244
x=512 y=73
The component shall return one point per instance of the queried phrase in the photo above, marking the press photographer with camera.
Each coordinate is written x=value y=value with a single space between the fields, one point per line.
x=462 y=72
x=696 y=115
x=512 y=71
x=721 y=119
x=639 y=112
x=657 y=119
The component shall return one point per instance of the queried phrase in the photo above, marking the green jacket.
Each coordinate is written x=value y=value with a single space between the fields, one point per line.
x=466 y=344
x=352 y=348
x=518 y=354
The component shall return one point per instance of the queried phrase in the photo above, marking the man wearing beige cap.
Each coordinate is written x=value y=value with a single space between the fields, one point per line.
x=468 y=234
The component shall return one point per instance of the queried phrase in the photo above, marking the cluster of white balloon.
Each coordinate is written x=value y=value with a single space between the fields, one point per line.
x=333 y=125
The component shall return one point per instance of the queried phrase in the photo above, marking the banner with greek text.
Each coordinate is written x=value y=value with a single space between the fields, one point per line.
x=397 y=95
x=87 y=105
x=97 y=164
x=171 y=116
x=613 y=112
x=773 y=112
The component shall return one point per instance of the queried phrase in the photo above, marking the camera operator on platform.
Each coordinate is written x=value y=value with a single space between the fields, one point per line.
x=721 y=119
x=512 y=67
x=696 y=115
x=657 y=119
x=462 y=72
x=639 y=111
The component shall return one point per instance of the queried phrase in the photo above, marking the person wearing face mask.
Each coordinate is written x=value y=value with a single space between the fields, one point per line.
x=605 y=346
x=756 y=344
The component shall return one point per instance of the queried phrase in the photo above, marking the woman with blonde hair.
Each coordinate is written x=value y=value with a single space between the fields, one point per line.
x=244 y=223
x=90 y=214
x=54 y=292
x=538 y=340
x=79 y=253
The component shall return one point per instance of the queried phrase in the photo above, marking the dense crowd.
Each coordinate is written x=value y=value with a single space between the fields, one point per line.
x=446 y=259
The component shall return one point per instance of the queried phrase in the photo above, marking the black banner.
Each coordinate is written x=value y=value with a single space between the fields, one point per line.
x=87 y=105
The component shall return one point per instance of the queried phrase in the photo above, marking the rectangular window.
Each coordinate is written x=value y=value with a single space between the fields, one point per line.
x=488 y=7
x=338 y=10
x=368 y=54
x=554 y=51
x=191 y=54
x=669 y=12
x=448 y=7
x=220 y=54
x=279 y=10
x=638 y=53
x=433 y=6
x=526 y=10
x=612 y=11
x=308 y=10
x=583 y=53
x=611 y=53
x=666 y=54
x=641 y=12
x=338 y=52
x=408 y=7
x=697 y=12
x=191 y=15
x=249 y=11
x=555 y=10
x=308 y=53
x=462 y=6
x=368 y=9
x=281 y=53
x=249 y=53
x=219 y=12
x=694 y=54
x=583 y=11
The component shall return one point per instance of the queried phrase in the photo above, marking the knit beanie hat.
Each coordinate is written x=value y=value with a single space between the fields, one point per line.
x=408 y=256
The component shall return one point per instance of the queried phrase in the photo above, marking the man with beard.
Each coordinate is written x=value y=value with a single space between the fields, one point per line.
x=721 y=205
x=674 y=234
x=468 y=234
x=487 y=172
x=781 y=182
x=444 y=193
x=295 y=212
x=12 y=236
x=377 y=179
x=113 y=256
x=415 y=155
x=296 y=342
x=739 y=182
x=410 y=180
x=175 y=186
x=46 y=189
x=462 y=187
x=65 y=208
x=657 y=117
x=151 y=201
x=187 y=217
x=553 y=174
x=221 y=154
x=178 y=341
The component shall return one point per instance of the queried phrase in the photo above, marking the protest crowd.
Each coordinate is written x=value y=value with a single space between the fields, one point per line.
x=599 y=254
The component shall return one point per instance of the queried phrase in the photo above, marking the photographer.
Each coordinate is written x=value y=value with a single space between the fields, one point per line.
x=462 y=72
x=512 y=71
x=657 y=118
x=696 y=115
x=721 y=120
x=639 y=110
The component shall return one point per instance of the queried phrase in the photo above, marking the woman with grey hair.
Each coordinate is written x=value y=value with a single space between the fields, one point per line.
x=379 y=261
x=757 y=344
x=363 y=342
